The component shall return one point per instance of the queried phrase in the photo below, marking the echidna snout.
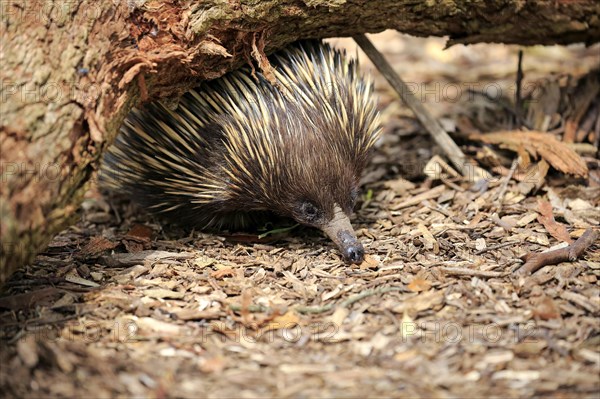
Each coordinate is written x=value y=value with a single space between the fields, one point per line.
x=341 y=233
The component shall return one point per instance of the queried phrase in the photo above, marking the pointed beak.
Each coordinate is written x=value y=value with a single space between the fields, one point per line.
x=342 y=234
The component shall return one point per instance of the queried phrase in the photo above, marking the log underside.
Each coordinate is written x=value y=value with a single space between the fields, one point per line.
x=72 y=70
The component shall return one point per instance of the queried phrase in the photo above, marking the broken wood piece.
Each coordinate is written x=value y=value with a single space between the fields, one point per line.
x=427 y=195
x=437 y=168
x=571 y=253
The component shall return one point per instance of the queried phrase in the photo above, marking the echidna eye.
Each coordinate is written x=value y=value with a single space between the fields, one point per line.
x=309 y=211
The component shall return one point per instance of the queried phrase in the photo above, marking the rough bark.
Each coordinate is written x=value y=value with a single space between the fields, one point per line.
x=71 y=70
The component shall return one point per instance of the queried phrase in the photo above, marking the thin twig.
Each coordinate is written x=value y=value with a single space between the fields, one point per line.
x=509 y=176
x=597 y=136
x=452 y=185
x=454 y=153
x=324 y=308
x=570 y=253
x=463 y=271
x=497 y=246
x=518 y=97
x=417 y=199
x=251 y=308
x=437 y=209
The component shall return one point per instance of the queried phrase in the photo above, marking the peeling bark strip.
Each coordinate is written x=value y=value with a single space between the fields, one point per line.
x=69 y=72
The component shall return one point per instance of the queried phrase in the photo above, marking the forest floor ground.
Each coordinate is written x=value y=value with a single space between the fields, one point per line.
x=120 y=306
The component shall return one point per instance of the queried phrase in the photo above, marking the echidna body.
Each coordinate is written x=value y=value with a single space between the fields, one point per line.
x=239 y=145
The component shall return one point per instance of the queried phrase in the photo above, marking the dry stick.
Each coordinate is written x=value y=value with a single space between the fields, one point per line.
x=417 y=199
x=518 y=97
x=570 y=253
x=507 y=179
x=597 y=137
x=496 y=246
x=251 y=308
x=452 y=185
x=454 y=153
x=463 y=271
x=325 y=308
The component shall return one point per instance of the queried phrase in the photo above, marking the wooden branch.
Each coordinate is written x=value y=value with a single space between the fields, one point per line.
x=443 y=140
x=571 y=253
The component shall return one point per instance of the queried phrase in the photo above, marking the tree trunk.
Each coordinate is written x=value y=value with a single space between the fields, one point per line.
x=71 y=70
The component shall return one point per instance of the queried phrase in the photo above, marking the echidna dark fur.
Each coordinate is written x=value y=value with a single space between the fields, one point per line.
x=239 y=145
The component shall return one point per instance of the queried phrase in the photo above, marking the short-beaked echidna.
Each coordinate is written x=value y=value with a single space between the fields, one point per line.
x=239 y=146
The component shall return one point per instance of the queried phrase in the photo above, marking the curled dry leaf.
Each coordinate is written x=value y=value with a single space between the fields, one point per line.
x=556 y=153
x=546 y=217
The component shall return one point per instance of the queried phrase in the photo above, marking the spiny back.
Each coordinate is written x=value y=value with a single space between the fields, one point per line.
x=238 y=143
